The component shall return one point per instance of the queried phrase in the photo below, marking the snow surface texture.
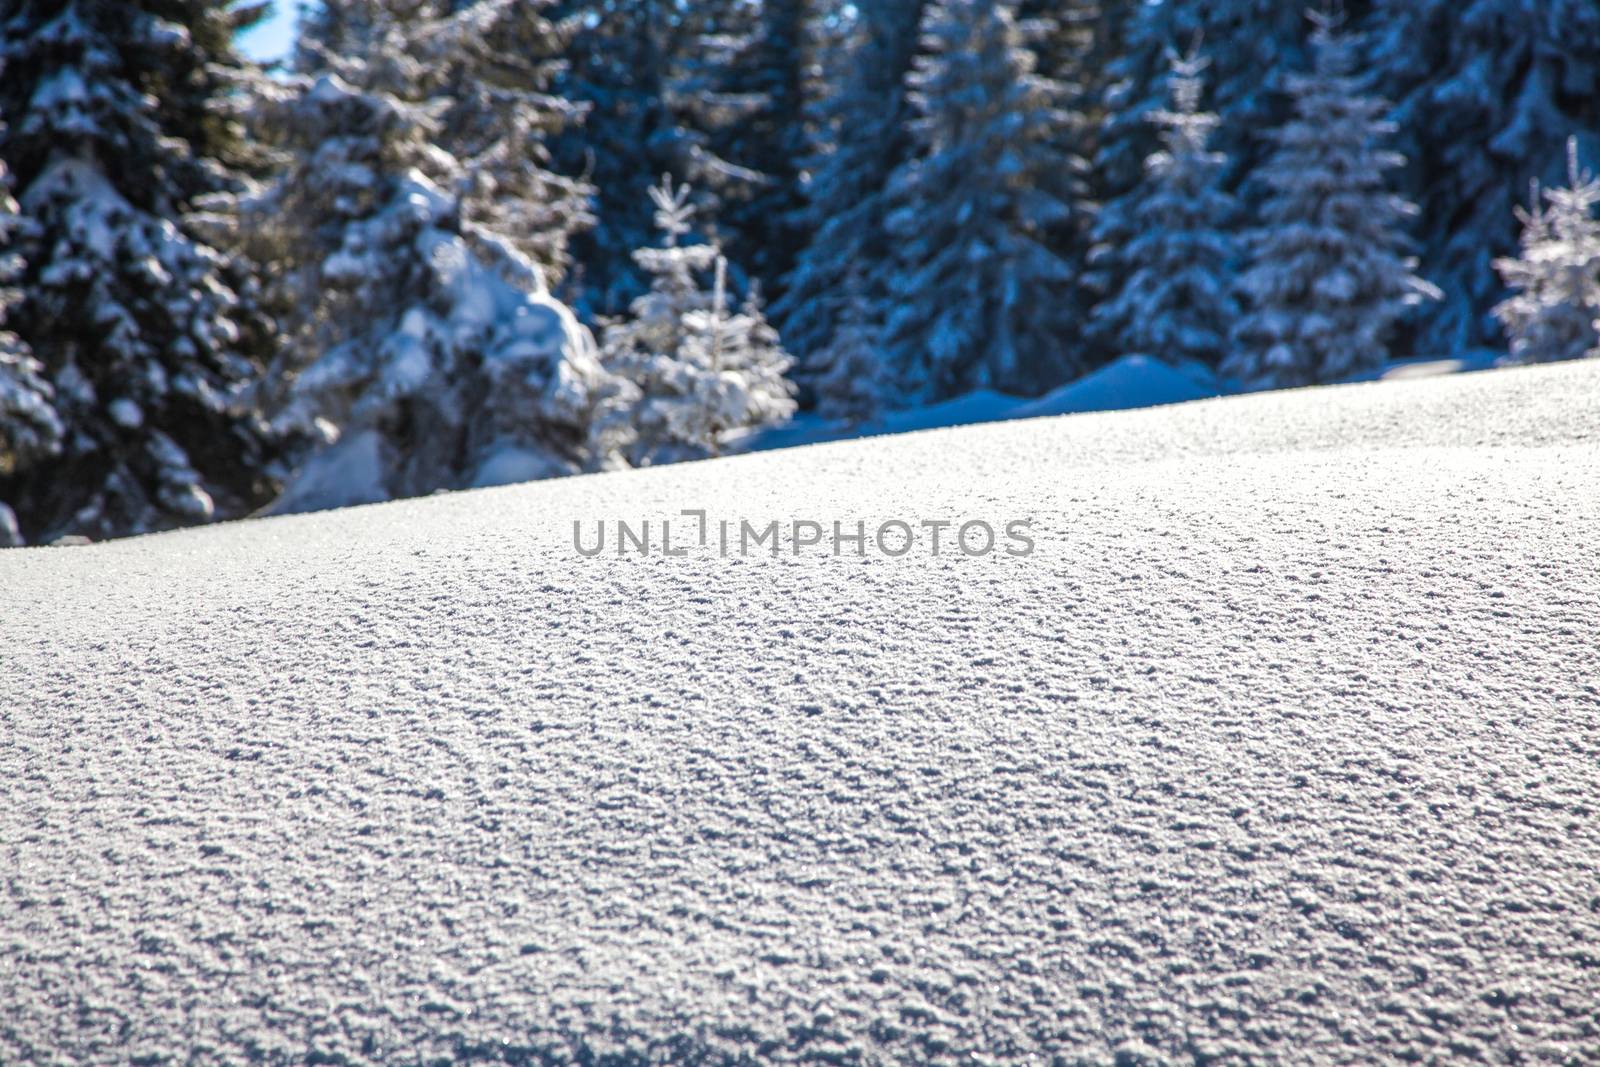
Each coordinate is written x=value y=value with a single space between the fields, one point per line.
x=1284 y=745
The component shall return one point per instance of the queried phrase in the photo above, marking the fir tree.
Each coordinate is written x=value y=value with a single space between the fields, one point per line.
x=1134 y=88
x=1487 y=93
x=327 y=31
x=652 y=76
x=121 y=122
x=484 y=68
x=977 y=293
x=363 y=235
x=861 y=138
x=30 y=428
x=1072 y=42
x=1328 y=277
x=1555 y=312
x=767 y=78
x=849 y=382
x=1251 y=46
x=419 y=343
x=1177 y=301
x=1068 y=39
x=695 y=371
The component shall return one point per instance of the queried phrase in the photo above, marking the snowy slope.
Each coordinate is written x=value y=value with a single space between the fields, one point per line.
x=1284 y=744
x=1121 y=385
x=1129 y=382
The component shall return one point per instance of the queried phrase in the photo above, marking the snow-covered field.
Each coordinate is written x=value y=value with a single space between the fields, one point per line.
x=1283 y=745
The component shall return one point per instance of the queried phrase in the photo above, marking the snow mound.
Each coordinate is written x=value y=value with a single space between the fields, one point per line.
x=1129 y=382
x=969 y=409
x=512 y=465
x=346 y=473
x=1283 y=745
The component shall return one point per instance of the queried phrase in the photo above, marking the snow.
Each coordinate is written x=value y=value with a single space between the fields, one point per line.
x=980 y=405
x=1130 y=382
x=349 y=471
x=511 y=465
x=95 y=211
x=1283 y=746
x=1432 y=366
x=125 y=413
x=59 y=90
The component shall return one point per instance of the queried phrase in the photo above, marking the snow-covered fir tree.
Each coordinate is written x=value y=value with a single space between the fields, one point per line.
x=327 y=31
x=861 y=136
x=1328 y=277
x=653 y=78
x=850 y=374
x=420 y=350
x=485 y=69
x=1554 y=313
x=120 y=122
x=1071 y=42
x=976 y=296
x=1176 y=300
x=1251 y=46
x=30 y=428
x=496 y=61
x=1487 y=93
x=1069 y=39
x=695 y=371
